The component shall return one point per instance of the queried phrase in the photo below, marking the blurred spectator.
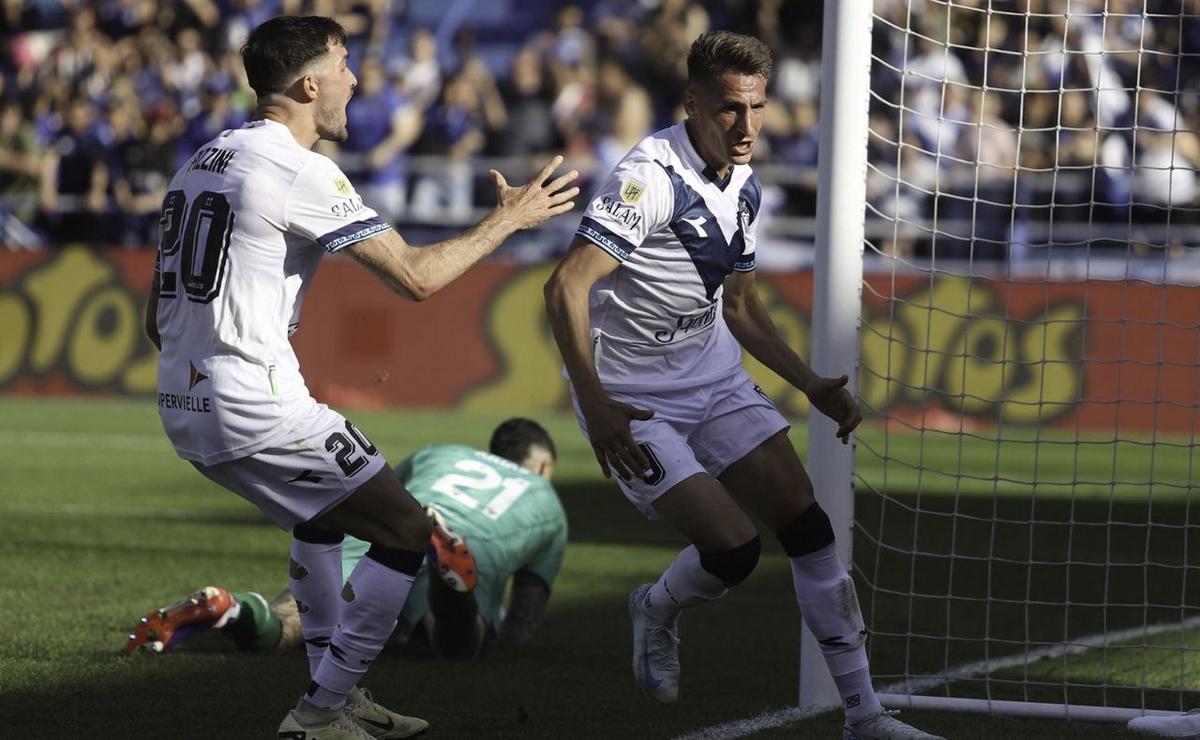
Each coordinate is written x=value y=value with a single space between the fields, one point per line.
x=455 y=127
x=528 y=128
x=420 y=74
x=663 y=47
x=1078 y=130
x=382 y=125
x=145 y=161
x=624 y=114
x=74 y=178
x=186 y=72
x=217 y=113
x=19 y=168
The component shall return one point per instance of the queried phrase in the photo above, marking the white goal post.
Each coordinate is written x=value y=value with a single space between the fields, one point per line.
x=1019 y=314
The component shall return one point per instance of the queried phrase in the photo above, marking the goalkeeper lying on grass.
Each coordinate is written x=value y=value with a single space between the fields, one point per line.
x=495 y=518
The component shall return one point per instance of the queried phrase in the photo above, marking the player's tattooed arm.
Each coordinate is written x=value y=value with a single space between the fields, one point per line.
x=418 y=272
x=152 y=314
x=526 y=610
x=751 y=324
x=567 y=306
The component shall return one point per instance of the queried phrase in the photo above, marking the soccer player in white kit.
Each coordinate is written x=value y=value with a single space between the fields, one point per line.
x=651 y=309
x=245 y=223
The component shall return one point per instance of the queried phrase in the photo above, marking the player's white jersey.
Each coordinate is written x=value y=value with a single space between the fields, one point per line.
x=678 y=232
x=245 y=223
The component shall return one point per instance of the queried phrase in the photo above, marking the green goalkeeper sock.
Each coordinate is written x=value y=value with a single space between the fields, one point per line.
x=257 y=628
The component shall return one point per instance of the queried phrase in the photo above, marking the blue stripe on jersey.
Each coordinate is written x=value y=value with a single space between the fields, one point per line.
x=751 y=195
x=713 y=257
x=748 y=202
x=597 y=234
x=351 y=233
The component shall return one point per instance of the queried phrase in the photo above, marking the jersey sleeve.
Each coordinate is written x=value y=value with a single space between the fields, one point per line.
x=636 y=200
x=324 y=207
x=548 y=558
x=749 y=207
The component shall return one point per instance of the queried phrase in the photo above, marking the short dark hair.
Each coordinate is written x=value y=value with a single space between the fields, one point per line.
x=280 y=48
x=514 y=437
x=719 y=52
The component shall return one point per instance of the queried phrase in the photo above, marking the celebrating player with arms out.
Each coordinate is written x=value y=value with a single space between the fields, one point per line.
x=649 y=308
x=245 y=223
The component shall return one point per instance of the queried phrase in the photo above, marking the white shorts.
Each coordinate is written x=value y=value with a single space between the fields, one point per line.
x=699 y=430
x=299 y=481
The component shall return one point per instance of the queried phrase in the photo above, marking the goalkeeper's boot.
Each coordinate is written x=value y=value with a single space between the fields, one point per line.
x=449 y=555
x=342 y=727
x=380 y=722
x=884 y=726
x=655 y=650
x=207 y=608
x=1171 y=725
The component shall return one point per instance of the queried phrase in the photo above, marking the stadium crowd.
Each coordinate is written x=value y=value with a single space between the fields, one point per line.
x=100 y=102
x=1021 y=125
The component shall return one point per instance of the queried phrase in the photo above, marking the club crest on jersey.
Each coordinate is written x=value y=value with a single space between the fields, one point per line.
x=744 y=214
x=342 y=185
x=632 y=191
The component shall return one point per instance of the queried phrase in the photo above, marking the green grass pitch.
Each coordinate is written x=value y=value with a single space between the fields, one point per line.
x=100 y=521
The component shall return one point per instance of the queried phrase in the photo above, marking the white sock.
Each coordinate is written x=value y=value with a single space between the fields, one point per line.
x=829 y=606
x=316 y=581
x=683 y=583
x=312 y=716
x=372 y=599
x=858 y=695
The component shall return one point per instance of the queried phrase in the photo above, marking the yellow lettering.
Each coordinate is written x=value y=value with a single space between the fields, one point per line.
x=929 y=321
x=1052 y=352
x=105 y=335
x=142 y=374
x=886 y=354
x=981 y=367
x=56 y=290
x=15 y=325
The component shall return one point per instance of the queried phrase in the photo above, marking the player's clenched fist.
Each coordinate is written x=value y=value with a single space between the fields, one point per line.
x=830 y=397
x=531 y=204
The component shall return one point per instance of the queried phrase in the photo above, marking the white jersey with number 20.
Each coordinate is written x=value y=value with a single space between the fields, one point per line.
x=245 y=223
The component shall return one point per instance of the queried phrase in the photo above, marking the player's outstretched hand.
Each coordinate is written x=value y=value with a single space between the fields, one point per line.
x=608 y=429
x=531 y=204
x=830 y=397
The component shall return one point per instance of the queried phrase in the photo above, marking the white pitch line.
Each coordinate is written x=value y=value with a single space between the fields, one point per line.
x=744 y=727
x=93 y=511
x=102 y=440
x=781 y=717
x=1077 y=645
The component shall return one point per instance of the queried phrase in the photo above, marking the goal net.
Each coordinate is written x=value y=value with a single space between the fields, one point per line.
x=1029 y=359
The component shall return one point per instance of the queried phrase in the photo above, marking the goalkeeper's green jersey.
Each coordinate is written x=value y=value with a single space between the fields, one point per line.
x=511 y=518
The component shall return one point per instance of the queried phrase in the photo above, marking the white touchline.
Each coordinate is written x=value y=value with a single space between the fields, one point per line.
x=769 y=720
x=101 y=439
x=744 y=727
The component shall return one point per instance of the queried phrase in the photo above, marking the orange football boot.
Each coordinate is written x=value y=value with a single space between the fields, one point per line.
x=162 y=628
x=449 y=555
